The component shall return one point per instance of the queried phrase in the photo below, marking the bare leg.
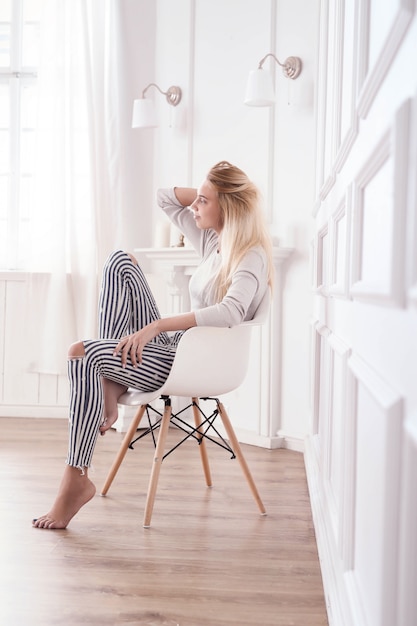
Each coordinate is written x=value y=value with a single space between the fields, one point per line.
x=112 y=392
x=133 y=258
x=76 y=489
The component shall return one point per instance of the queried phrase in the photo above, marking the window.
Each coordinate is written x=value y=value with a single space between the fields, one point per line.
x=19 y=48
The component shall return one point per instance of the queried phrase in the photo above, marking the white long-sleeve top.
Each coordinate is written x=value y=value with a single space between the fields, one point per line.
x=249 y=281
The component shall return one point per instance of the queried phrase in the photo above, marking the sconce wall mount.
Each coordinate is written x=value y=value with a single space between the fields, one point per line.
x=259 y=89
x=291 y=68
x=173 y=94
x=144 y=115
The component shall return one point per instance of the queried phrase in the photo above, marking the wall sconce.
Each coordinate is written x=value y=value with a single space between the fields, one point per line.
x=144 y=115
x=259 y=89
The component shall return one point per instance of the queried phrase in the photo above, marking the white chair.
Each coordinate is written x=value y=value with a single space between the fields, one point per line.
x=209 y=362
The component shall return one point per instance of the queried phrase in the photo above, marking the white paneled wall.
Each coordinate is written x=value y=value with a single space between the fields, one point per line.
x=209 y=48
x=361 y=456
x=23 y=393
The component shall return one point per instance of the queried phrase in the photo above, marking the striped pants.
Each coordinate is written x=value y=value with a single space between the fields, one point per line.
x=126 y=305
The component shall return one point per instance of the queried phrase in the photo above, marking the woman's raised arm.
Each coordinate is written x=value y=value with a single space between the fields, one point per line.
x=185 y=195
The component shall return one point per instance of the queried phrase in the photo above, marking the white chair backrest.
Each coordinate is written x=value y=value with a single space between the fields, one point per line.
x=213 y=361
x=262 y=311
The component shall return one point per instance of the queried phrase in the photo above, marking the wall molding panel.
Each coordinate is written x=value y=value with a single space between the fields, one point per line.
x=322 y=260
x=335 y=453
x=327 y=78
x=327 y=186
x=313 y=252
x=338 y=79
x=320 y=359
x=24 y=393
x=349 y=119
x=373 y=402
x=379 y=215
x=329 y=355
x=348 y=590
x=361 y=452
x=371 y=78
x=347 y=144
x=339 y=247
x=316 y=207
x=407 y=575
x=362 y=42
x=321 y=92
x=337 y=601
x=412 y=211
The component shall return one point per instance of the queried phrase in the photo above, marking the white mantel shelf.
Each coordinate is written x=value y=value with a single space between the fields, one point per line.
x=181 y=255
x=185 y=256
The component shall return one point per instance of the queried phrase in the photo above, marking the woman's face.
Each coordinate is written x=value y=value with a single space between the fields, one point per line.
x=206 y=208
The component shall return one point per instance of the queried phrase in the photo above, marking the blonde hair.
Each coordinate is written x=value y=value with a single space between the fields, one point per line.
x=243 y=224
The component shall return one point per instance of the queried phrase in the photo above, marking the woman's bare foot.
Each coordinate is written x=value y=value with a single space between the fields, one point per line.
x=112 y=392
x=76 y=489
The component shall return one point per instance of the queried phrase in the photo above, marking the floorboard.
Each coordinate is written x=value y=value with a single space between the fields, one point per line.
x=209 y=558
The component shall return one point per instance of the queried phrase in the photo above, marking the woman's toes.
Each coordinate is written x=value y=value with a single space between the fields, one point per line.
x=47 y=523
x=41 y=522
x=106 y=424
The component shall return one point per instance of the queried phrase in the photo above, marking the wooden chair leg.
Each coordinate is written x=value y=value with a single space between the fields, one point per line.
x=123 y=449
x=239 y=454
x=202 y=443
x=157 y=461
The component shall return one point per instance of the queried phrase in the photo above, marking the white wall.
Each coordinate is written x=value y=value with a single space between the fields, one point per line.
x=293 y=176
x=208 y=49
x=136 y=57
x=27 y=394
x=361 y=457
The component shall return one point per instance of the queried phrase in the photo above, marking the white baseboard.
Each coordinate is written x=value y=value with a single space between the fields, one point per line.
x=14 y=410
x=254 y=439
x=291 y=442
x=126 y=414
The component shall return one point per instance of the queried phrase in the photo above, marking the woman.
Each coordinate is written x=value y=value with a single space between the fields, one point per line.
x=137 y=347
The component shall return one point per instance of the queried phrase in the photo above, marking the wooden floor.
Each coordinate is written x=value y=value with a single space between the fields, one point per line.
x=208 y=559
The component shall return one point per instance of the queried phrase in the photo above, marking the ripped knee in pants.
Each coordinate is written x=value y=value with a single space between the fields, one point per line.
x=132 y=258
x=76 y=350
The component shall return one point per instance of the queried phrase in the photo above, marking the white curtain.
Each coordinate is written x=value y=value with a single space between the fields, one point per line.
x=76 y=216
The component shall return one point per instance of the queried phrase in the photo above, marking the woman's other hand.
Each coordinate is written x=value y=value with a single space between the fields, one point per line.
x=132 y=345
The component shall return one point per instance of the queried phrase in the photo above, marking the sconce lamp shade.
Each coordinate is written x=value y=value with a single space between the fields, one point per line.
x=144 y=115
x=259 y=90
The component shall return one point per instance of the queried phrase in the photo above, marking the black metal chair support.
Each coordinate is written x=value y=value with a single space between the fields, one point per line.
x=207 y=424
